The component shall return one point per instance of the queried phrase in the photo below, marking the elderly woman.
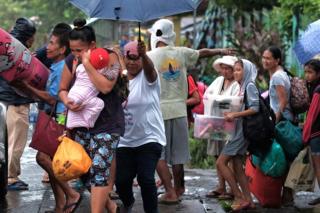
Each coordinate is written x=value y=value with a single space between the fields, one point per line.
x=222 y=85
x=140 y=148
x=245 y=73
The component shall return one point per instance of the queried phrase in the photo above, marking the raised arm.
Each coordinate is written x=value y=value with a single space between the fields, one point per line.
x=148 y=67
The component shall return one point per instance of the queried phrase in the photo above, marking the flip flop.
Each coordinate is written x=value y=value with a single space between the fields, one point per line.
x=236 y=207
x=17 y=186
x=213 y=194
x=225 y=196
x=75 y=205
x=162 y=200
x=23 y=183
x=114 y=195
x=314 y=202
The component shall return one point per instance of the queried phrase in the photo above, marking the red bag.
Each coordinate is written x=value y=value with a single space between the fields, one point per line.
x=46 y=134
x=265 y=188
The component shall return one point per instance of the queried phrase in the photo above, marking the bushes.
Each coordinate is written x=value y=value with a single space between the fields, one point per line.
x=198 y=151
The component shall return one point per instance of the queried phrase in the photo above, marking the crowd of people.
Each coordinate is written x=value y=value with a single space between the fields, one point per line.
x=143 y=132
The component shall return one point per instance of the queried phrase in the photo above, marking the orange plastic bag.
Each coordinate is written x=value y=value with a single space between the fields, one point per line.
x=70 y=160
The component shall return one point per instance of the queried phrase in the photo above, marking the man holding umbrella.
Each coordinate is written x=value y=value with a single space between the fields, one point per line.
x=172 y=63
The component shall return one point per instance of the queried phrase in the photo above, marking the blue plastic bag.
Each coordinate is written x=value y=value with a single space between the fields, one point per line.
x=289 y=137
x=274 y=163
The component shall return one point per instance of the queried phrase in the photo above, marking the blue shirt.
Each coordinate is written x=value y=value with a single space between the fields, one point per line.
x=53 y=84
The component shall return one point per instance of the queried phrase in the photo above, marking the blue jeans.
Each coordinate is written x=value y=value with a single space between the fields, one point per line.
x=141 y=162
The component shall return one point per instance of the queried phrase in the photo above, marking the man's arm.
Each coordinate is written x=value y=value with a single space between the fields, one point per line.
x=205 y=52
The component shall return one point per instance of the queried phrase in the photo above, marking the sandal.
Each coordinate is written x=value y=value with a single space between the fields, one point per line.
x=314 y=202
x=225 y=196
x=73 y=206
x=162 y=200
x=17 y=186
x=238 y=206
x=213 y=194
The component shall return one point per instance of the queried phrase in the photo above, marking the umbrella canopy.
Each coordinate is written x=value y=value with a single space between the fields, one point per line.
x=134 y=10
x=308 y=45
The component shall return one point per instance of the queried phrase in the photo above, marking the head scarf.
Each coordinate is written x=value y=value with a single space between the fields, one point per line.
x=162 y=30
x=249 y=74
x=23 y=30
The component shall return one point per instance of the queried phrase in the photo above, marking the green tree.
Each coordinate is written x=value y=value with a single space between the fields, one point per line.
x=45 y=13
x=306 y=11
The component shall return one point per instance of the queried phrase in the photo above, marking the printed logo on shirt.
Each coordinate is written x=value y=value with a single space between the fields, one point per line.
x=170 y=70
x=128 y=118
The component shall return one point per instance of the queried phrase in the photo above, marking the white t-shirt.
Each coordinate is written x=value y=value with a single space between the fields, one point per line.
x=172 y=64
x=143 y=118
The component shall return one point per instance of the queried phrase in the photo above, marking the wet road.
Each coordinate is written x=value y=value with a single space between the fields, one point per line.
x=39 y=197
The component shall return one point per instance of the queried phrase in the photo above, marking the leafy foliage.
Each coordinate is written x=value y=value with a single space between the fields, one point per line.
x=307 y=10
x=247 y=5
x=45 y=13
x=198 y=151
x=250 y=41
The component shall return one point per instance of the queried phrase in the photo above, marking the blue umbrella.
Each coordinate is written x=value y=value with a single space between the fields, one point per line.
x=308 y=45
x=134 y=10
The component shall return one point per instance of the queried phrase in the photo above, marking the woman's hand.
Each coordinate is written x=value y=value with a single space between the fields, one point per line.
x=73 y=106
x=229 y=116
x=142 y=50
x=85 y=57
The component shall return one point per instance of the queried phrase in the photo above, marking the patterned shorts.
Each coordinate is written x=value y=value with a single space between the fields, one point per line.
x=100 y=147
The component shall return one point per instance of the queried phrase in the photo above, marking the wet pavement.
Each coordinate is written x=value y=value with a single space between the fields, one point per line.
x=39 y=197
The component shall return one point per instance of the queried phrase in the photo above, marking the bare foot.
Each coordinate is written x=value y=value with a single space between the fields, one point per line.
x=111 y=206
x=72 y=203
x=168 y=197
x=180 y=191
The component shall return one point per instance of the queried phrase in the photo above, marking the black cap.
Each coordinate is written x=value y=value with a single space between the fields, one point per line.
x=23 y=30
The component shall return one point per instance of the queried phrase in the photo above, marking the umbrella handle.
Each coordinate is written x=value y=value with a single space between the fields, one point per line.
x=139 y=33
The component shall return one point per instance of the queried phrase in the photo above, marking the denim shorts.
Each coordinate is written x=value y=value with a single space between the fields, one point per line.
x=315 y=146
x=101 y=148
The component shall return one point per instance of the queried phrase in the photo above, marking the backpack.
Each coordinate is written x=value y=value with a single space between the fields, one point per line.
x=299 y=96
x=259 y=129
x=199 y=109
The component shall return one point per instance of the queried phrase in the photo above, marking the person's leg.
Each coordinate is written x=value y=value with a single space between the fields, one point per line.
x=179 y=152
x=315 y=156
x=221 y=181
x=101 y=149
x=178 y=177
x=63 y=193
x=126 y=168
x=165 y=177
x=162 y=166
x=242 y=178
x=17 y=127
x=147 y=158
x=316 y=167
x=227 y=174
